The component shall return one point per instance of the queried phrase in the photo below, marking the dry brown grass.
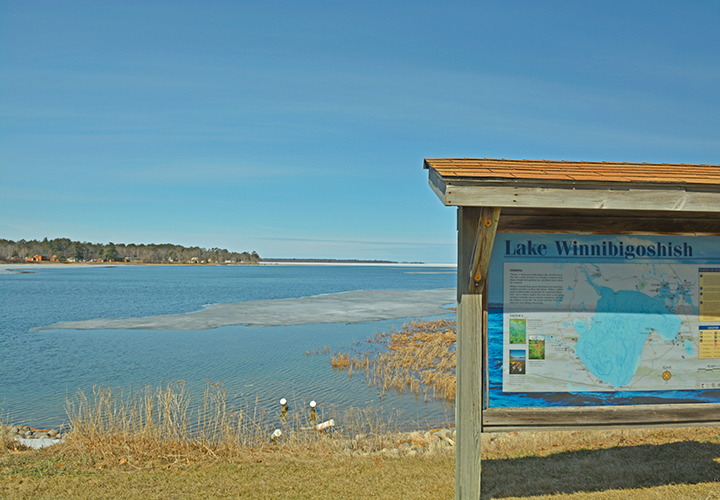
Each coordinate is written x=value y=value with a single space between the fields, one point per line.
x=420 y=358
x=7 y=443
x=657 y=464
x=149 y=444
x=156 y=427
x=39 y=475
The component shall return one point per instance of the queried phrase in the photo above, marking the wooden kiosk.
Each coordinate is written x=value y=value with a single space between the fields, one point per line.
x=560 y=197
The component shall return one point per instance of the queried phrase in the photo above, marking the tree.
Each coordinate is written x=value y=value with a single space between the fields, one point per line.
x=64 y=247
x=110 y=252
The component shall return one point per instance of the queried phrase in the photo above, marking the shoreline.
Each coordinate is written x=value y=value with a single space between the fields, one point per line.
x=5 y=264
x=29 y=267
x=54 y=264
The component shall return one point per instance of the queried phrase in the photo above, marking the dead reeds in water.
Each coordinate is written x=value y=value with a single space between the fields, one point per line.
x=419 y=358
x=159 y=422
x=148 y=425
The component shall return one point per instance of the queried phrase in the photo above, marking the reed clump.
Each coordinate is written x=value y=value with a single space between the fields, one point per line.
x=341 y=361
x=419 y=358
x=159 y=425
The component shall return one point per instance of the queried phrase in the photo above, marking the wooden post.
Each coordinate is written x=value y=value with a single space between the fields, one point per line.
x=476 y=235
x=468 y=412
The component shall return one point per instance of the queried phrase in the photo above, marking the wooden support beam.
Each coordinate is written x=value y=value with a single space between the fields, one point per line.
x=487 y=226
x=600 y=417
x=706 y=225
x=600 y=197
x=475 y=239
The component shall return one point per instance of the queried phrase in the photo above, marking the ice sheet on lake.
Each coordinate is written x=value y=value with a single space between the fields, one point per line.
x=346 y=307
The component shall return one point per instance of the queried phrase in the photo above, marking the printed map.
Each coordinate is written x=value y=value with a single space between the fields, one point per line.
x=606 y=327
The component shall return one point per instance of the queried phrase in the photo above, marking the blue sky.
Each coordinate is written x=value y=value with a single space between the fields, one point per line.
x=298 y=129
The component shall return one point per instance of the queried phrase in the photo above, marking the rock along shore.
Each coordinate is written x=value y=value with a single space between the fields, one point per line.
x=32 y=437
x=403 y=444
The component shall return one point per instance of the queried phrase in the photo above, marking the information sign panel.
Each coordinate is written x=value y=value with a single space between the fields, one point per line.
x=606 y=319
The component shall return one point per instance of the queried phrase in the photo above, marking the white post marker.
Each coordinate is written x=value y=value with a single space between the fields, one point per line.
x=313 y=411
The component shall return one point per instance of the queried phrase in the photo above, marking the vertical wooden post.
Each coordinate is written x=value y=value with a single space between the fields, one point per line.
x=469 y=363
x=476 y=235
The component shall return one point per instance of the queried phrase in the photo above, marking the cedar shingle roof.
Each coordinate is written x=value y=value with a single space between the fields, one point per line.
x=574 y=171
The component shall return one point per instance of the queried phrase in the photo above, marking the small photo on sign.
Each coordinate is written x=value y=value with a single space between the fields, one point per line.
x=517 y=362
x=517 y=331
x=536 y=347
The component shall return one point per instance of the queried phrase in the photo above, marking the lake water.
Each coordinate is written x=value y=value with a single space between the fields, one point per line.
x=40 y=369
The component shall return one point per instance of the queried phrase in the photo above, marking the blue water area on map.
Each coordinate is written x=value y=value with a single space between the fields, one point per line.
x=580 y=326
x=611 y=349
x=680 y=295
x=688 y=347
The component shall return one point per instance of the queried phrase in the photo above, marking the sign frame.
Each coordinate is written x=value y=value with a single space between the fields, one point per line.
x=523 y=196
x=550 y=251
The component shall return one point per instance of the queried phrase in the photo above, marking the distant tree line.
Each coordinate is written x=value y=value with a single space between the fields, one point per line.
x=65 y=250
x=336 y=261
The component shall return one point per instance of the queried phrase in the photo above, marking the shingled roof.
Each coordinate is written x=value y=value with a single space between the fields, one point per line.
x=577 y=171
x=660 y=187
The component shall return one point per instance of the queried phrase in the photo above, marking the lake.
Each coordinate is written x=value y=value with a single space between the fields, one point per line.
x=41 y=368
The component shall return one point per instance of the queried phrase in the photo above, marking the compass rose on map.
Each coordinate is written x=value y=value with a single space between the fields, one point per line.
x=666 y=375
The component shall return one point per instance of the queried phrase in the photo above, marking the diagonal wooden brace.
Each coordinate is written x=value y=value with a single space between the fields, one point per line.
x=487 y=226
